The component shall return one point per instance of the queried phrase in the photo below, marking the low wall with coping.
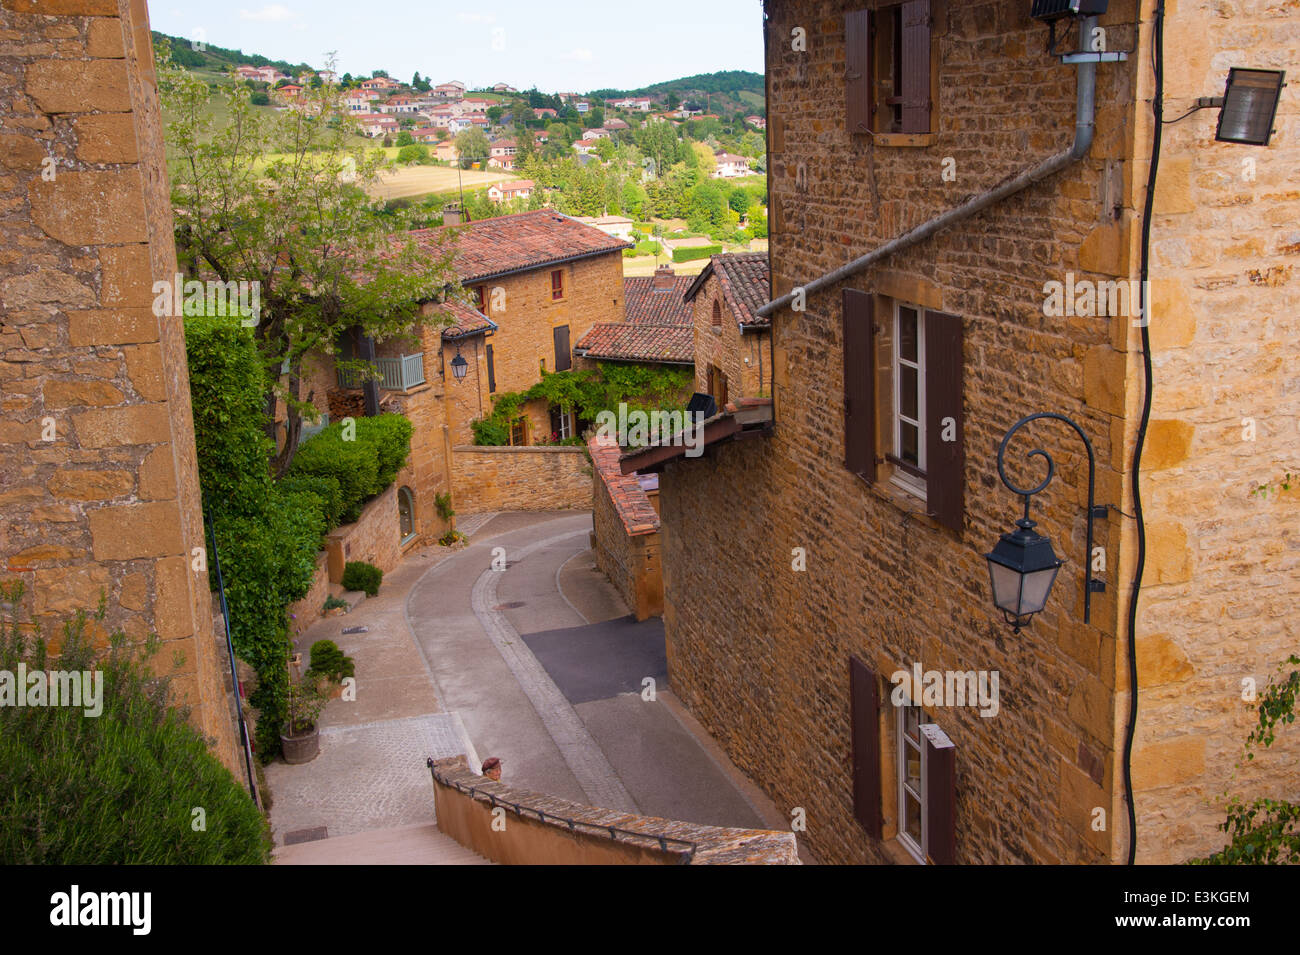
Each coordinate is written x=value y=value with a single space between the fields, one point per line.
x=625 y=531
x=545 y=830
x=520 y=478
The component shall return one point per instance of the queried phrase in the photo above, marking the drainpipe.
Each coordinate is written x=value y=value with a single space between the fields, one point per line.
x=1084 y=128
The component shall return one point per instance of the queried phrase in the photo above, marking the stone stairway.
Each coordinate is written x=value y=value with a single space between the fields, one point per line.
x=408 y=845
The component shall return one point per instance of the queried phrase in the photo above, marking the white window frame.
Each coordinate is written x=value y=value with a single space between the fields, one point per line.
x=908 y=482
x=905 y=744
x=566 y=425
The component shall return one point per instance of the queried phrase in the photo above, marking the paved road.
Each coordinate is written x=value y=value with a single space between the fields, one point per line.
x=545 y=668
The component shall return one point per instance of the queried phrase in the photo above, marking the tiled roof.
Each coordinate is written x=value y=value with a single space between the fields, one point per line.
x=515 y=243
x=468 y=321
x=647 y=305
x=630 y=501
x=745 y=281
x=621 y=341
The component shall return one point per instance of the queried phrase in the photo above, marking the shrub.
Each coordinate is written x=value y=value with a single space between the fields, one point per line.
x=259 y=99
x=334 y=603
x=490 y=432
x=358 y=575
x=692 y=253
x=442 y=501
x=326 y=490
x=120 y=788
x=330 y=662
x=364 y=466
x=416 y=152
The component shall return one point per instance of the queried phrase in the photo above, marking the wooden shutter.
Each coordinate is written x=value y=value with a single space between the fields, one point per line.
x=563 y=356
x=492 y=372
x=859 y=385
x=857 y=71
x=916 y=66
x=864 y=720
x=940 y=796
x=945 y=461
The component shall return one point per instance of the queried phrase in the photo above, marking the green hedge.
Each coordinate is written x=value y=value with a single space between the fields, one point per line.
x=119 y=788
x=329 y=495
x=363 y=466
x=358 y=575
x=692 y=253
x=329 y=661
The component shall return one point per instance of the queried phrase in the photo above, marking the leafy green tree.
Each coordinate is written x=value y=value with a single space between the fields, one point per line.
x=415 y=152
x=472 y=146
x=280 y=199
x=494 y=114
x=404 y=138
x=740 y=201
x=674 y=101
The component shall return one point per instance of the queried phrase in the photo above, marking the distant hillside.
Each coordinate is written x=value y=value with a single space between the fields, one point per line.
x=218 y=59
x=726 y=91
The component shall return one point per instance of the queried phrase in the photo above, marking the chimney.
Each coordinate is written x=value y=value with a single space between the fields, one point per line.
x=451 y=214
x=664 y=278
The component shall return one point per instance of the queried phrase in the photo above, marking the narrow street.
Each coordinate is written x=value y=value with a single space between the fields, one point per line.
x=539 y=664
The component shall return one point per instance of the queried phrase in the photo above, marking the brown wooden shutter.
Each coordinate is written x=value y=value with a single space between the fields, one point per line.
x=563 y=356
x=940 y=796
x=492 y=372
x=945 y=461
x=857 y=71
x=916 y=66
x=864 y=721
x=859 y=385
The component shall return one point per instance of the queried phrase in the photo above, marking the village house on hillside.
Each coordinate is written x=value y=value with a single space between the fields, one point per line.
x=841 y=639
x=732 y=342
x=730 y=165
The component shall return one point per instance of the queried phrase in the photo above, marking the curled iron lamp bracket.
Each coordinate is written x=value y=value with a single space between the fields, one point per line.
x=1092 y=585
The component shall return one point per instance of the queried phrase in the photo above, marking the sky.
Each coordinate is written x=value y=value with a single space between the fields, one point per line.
x=555 y=45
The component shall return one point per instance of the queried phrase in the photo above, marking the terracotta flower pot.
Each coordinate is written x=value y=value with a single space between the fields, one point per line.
x=302 y=748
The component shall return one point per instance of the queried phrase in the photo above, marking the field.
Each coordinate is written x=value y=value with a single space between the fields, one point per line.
x=410 y=181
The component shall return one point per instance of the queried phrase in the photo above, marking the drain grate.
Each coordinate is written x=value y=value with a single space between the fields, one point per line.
x=512 y=605
x=314 y=834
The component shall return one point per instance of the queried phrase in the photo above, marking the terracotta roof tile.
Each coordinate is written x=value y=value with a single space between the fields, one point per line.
x=745 y=281
x=525 y=240
x=624 y=341
x=467 y=321
x=630 y=501
x=647 y=305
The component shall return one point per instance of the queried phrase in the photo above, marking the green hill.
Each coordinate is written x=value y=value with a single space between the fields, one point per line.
x=218 y=59
x=727 y=91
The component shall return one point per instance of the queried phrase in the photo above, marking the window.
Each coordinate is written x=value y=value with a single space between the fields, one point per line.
x=908 y=364
x=561 y=424
x=903 y=394
x=519 y=432
x=557 y=284
x=926 y=788
x=492 y=371
x=481 y=294
x=717 y=314
x=563 y=354
x=887 y=72
x=718 y=386
x=406 y=514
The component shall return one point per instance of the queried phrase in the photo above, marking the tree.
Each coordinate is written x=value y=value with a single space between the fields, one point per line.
x=740 y=201
x=299 y=224
x=659 y=142
x=471 y=146
x=404 y=138
x=494 y=114
x=674 y=101
x=378 y=73
x=415 y=80
x=259 y=99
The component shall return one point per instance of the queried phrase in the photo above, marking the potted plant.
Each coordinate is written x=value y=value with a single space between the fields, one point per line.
x=300 y=739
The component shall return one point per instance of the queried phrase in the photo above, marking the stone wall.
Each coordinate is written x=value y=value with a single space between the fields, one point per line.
x=743 y=358
x=524 y=479
x=1222 y=583
x=98 y=464
x=625 y=528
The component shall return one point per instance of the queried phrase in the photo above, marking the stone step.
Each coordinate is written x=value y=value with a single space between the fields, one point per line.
x=409 y=845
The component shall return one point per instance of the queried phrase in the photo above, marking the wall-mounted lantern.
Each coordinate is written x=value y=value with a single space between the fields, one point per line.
x=1023 y=566
x=459 y=365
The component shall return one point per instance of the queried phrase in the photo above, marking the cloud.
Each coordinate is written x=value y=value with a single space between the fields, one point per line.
x=581 y=54
x=271 y=13
x=477 y=17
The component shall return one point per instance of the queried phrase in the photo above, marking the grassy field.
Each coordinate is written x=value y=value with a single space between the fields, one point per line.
x=412 y=181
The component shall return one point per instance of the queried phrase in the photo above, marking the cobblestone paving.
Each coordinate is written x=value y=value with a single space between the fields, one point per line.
x=369 y=776
x=470 y=524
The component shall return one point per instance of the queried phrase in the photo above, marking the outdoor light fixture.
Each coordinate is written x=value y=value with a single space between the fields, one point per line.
x=1249 y=106
x=459 y=366
x=1056 y=9
x=1023 y=566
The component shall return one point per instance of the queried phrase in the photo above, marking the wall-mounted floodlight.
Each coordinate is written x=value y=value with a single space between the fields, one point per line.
x=1249 y=106
x=1048 y=10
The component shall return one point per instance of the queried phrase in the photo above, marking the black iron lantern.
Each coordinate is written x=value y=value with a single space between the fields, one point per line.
x=459 y=366
x=1023 y=566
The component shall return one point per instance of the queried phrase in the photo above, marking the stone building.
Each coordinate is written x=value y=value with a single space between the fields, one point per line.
x=732 y=342
x=807 y=571
x=99 y=490
x=656 y=329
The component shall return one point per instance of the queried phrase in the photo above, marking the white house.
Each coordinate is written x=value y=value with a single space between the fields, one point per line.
x=730 y=165
x=516 y=189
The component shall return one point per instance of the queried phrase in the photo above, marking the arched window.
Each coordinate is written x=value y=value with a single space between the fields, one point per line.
x=717 y=314
x=406 y=513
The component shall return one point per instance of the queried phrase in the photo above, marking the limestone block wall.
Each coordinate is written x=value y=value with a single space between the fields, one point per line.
x=525 y=478
x=1222 y=583
x=739 y=356
x=99 y=481
x=626 y=532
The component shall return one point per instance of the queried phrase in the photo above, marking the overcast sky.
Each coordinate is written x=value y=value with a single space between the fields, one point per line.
x=552 y=44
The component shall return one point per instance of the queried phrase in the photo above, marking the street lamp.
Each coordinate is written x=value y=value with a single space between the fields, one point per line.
x=459 y=365
x=1023 y=566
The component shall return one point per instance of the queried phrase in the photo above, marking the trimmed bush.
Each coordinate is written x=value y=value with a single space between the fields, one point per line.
x=329 y=661
x=364 y=466
x=358 y=575
x=326 y=490
x=692 y=253
x=118 y=788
